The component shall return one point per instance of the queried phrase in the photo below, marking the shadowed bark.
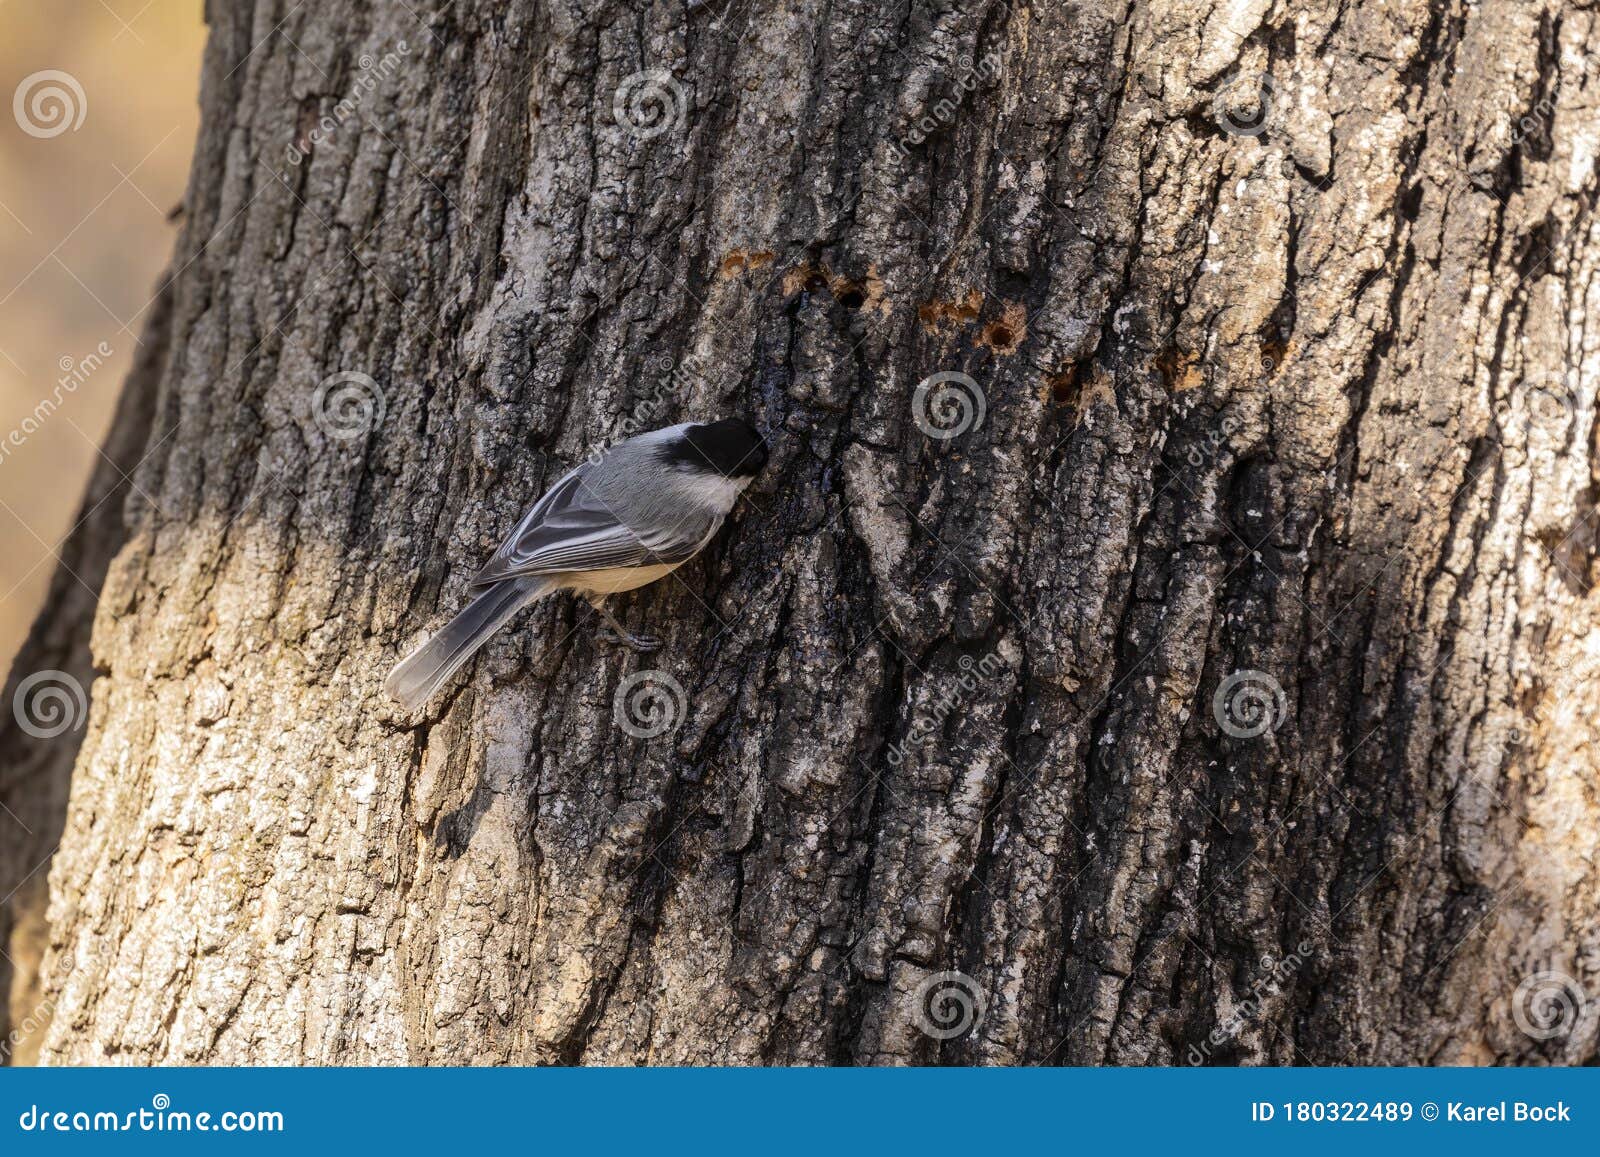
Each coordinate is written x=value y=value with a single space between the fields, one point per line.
x=36 y=762
x=1213 y=688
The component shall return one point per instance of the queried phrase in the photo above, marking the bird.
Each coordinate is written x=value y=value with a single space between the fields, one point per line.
x=628 y=516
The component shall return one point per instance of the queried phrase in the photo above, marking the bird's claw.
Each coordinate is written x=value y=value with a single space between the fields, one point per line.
x=641 y=643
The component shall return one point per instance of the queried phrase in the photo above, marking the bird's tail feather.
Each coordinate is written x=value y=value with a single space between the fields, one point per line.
x=417 y=676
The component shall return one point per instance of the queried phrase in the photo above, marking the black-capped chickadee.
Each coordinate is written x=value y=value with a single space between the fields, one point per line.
x=642 y=509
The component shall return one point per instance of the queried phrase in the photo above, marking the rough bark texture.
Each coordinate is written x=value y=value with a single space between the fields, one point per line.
x=1314 y=404
x=35 y=767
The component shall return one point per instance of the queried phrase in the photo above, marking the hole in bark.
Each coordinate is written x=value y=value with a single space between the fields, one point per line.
x=852 y=299
x=1005 y=334
x=1411 y=202
x=1273 y=353
x=1178 y=370
x=936 y=315
x=999 y=336
x=739 y=261
x=1063 y=387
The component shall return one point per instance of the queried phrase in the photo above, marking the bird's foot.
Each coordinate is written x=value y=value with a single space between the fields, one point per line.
x=615 y=632
x=641 y=643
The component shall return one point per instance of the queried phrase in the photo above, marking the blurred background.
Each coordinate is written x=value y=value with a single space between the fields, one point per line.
x=100 y=105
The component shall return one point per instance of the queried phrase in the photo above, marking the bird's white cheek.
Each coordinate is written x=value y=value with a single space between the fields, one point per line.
x=717 y=492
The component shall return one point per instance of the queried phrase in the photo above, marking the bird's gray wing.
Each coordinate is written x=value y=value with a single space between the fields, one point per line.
x=570 y=529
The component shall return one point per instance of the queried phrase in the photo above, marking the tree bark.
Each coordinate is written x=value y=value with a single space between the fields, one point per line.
x=36 y=762
x=1218 y=694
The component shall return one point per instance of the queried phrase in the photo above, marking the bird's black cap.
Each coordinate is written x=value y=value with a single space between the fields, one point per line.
x=731 y=447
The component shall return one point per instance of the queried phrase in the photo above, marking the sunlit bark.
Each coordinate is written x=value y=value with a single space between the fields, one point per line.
x=1214 y=688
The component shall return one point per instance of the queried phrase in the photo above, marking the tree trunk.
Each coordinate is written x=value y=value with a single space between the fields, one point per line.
x=1212 y=687
x=52 y=674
